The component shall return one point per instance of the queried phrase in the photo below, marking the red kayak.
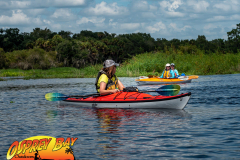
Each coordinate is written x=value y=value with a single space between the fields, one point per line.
x=131 y=100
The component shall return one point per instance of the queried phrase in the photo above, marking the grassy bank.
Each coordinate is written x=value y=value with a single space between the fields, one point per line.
x=190 y=64
x=61 y=72
x=144 y=64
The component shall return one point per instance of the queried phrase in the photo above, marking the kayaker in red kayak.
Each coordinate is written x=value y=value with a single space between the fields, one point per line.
x=167 y=72
x=106 y=81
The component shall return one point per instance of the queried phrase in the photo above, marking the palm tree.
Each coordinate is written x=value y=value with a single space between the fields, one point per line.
x=70 y=150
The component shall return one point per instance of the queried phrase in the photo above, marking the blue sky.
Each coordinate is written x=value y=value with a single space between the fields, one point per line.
x=181 y=19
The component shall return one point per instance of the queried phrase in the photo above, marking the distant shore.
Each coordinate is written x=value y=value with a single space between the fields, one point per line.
x=142 y=65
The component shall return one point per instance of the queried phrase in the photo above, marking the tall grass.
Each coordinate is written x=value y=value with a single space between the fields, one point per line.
x=199 y=64
x=61 y=72
x=145 y=64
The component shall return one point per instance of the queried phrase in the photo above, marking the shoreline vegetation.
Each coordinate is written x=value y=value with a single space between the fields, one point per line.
x=43 y=53
x=151 y=63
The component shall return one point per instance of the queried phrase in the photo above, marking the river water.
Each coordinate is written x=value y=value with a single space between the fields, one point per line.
x=208 y=127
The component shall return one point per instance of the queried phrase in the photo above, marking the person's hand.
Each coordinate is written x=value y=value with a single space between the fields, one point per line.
x=115 y=90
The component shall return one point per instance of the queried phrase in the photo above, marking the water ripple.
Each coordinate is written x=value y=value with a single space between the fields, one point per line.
x=208 y=128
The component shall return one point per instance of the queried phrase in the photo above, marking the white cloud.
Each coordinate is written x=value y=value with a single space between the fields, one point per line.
x=15 y=4
x=213 y=29
x=194 y=16
x=159 y=26
x=175 y=14
x=171 y=6
x=199 y=6
x=21 y=4
x=155 y=16
x=148 y=15
x=47 y=22
x=235 y=17
x=153 y=8
x=12 y=4
x=216 y=18
x=178 y=29
x=112 y=23
x=224 y=7
x=56 y=26
x=35 y=12
x=129 y=26
x=67 y=3
x=63 y=14
x=230 y=5
x=17 y=18
x=175 y=5
x=108 y=10
x=140 y=6
x=94 y=20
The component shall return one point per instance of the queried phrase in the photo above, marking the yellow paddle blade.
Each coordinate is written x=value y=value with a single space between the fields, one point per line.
x=55 y=96
x=193 y=77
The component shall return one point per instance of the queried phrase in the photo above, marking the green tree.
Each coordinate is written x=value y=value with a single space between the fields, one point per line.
x=42 y=33
x=2 y=58
x=234 y=39
x=65 y=52
x=11 y=40
x=65 y=34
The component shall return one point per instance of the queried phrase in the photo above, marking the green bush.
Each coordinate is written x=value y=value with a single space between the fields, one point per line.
x=2 y=58
x=31 y=59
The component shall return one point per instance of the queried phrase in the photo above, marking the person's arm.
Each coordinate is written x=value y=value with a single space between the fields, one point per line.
x=177 y=73
x=103 y=91
x=120 y=85
x=162 y=75
x=172 y=74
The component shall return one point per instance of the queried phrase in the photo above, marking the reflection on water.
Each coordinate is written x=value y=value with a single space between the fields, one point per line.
x=110 y=120
x=115 y=127
x=207 y=128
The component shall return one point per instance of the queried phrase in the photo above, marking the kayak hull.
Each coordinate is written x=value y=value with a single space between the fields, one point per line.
x=157 y=81
x=132 y=100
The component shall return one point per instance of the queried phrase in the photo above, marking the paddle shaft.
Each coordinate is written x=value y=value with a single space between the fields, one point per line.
x=88 y=95
x=162 y=90
x=165 y=90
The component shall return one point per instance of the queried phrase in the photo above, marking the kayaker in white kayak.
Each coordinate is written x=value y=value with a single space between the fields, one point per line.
x=167 y=72
x=106 y=81
x=174 y=72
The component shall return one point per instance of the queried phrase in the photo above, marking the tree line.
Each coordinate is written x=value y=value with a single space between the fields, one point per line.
x=43 y=46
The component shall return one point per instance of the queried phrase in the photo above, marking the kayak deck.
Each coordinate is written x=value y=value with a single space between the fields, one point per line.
x=132 y=100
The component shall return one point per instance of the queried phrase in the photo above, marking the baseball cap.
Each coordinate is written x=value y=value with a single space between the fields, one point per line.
x=109 y=63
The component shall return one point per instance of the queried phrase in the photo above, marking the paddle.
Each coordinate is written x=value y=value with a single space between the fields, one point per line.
x=188 y=77
x=61 y=97
x=167 y=90
x=193 y=77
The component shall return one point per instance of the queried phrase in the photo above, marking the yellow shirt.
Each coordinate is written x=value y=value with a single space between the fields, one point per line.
x=104 y=78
